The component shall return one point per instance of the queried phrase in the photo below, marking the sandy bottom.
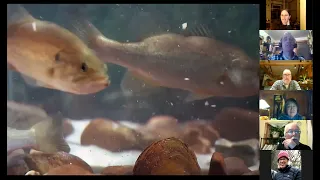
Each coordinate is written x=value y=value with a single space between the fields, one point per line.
x=99 y=158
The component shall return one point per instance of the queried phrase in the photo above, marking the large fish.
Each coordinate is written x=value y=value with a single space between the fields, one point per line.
x=31 y=127
x=50 y=56
x=197 y=62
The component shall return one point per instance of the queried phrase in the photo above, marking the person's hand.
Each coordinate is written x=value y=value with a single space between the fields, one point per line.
x=287 y=142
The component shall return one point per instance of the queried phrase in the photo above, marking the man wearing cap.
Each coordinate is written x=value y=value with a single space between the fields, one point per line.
x=292 y=138
x=285 y=171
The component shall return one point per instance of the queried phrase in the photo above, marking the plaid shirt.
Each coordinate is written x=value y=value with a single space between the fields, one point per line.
x=281 y=57
x=279 y=85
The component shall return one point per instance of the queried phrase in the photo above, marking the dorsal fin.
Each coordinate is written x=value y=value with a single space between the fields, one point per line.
x=78 y=23
x=17 y=14
x=198 y=30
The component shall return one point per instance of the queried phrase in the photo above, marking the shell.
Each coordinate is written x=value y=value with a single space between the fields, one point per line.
x=169 y=156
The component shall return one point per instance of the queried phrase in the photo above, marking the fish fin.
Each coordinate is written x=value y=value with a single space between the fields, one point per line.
x=195 y=97
x=80 y=25
x=45 y=85
x=10 y=67
x=136 y=84
x=49 y=136
x=198 y=30
x=34 y=83
x=17 y=14
x=30 y=81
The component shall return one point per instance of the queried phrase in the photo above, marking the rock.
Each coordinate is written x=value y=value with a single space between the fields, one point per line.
x=67 y=128
x=118 y=170
x=68 y=169
x=32 y=173
x=252 y=173
x=217 y=164
x=160 y=127
x=44 y=162
x=196 y=142
x=111 y=136
x=205 y=129
x=248 y=150
x=199 y=136
x=235 y=166
x=236 y=124
x=16 y=164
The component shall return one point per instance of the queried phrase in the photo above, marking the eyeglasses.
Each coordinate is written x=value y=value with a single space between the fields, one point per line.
x=294 y=131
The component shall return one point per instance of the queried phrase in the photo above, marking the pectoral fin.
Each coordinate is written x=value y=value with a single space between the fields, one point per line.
x=194 y=97
x=198 y=30
x=34 y=83
x=30 y=81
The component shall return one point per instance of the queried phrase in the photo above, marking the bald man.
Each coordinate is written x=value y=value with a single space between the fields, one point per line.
x=292 y=138
x=286 y=83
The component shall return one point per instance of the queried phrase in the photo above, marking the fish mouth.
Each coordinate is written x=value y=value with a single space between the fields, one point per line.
x=91 y=86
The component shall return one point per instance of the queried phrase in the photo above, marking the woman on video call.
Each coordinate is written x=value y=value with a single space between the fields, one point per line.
x=285 y=20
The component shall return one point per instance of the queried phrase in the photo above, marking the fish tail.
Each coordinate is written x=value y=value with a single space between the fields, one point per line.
x=49 y=136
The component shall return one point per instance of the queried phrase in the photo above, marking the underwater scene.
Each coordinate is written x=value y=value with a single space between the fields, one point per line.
x=132 y=89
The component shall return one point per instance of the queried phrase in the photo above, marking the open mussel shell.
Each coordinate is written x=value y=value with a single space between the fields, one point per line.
x=169 y=156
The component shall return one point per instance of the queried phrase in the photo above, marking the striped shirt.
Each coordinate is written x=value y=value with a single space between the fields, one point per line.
x=279 y=85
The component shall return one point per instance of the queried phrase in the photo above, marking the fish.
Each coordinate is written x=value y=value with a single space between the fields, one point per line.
x=50 y=56
x=29 y=127
x=194 y=60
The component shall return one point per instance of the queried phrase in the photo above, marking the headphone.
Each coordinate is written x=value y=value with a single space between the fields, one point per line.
x=295 y=44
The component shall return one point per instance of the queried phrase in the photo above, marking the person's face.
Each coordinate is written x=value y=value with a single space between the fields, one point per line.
x=288 y=42
x=293 y=131
x=286 y=77
x=292 y=109
x=285 y=17
x=283 y=162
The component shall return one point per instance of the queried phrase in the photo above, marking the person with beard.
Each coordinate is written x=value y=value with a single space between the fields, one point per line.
x=286 y=171
x=292 y=138
x=288 y=44
x=291 y=111
x=286 y=83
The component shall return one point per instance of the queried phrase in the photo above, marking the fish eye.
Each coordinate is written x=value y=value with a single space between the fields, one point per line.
x=57 y=57
x=84 y=67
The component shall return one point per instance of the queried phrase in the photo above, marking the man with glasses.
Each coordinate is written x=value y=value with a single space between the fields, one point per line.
x=286 y=83
x=292 y=138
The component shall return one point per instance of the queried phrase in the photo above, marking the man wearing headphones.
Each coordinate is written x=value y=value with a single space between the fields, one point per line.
x=288 y=44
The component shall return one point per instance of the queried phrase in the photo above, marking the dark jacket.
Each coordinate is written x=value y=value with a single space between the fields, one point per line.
x=273 y=173
x=299 y=147
x=288 y=173
x=285 y=27
x=286 y=117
